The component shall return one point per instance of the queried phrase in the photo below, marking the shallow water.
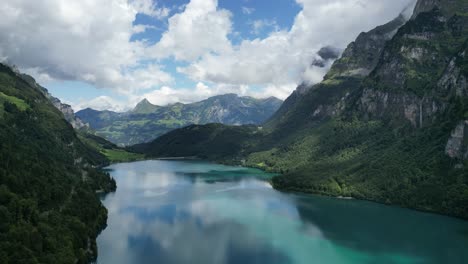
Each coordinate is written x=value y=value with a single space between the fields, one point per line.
x=198 y=212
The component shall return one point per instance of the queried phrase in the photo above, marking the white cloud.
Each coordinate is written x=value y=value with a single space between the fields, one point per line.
x=150 y=8
x=100 y=103
x=87 y=40
x=201 y=28
x=284 y=57
x=248 y=10
x=167 y=95
x=164 y=96
x=261 y=24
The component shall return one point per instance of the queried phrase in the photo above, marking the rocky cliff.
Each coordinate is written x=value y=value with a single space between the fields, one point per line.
x=67 y=110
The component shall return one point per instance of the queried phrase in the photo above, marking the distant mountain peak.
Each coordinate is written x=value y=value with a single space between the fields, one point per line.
x=144 y=107
x=144 y=102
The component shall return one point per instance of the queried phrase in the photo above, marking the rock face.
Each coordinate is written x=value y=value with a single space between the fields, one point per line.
x=457 y=144
x=68 y=113
x=418 y=73
x=362 y=55
x=356 y=63
x=454 y=80
x=67 y=110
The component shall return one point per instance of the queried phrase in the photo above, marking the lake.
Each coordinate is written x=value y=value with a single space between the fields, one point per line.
x=199 y=212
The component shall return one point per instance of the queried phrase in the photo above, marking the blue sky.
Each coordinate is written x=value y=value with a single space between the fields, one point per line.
x=110 y=54
x=280 y=15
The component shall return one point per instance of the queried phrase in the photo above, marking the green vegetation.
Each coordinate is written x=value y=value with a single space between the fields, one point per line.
x=146 y=122
x=361 y=136
x=212 y=141
x=111 y=151
x=20 y=104
x=49 y=210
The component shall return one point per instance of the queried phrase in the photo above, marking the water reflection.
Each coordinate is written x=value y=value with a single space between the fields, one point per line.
x=194 y=212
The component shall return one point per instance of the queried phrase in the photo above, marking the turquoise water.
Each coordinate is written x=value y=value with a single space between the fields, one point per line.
x=197 y=212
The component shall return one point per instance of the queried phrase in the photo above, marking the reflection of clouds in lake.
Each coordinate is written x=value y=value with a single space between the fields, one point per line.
x=182 y=234
x=192 y=225
x=160 y=215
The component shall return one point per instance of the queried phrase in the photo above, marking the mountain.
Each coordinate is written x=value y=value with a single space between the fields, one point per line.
x=49 y=209
x=147 y=121
x=67 y=111
x=388 y=122
x=145 y=107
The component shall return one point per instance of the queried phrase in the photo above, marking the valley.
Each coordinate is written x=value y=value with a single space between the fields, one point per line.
x=368 y=164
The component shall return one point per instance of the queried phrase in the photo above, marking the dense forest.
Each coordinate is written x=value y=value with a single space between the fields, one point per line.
x=49 y=207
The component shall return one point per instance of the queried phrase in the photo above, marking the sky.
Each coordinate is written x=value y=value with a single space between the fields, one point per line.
x=110 y=54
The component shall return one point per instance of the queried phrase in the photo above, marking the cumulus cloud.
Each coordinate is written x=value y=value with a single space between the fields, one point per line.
x=150 y=8
x=284 y=57
x=78 y=40
x=201 y=28
x=100 y=103
x=90 y=41
x=261 y=24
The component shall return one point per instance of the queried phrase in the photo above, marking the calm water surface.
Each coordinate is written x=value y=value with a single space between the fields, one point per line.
x=197 y=212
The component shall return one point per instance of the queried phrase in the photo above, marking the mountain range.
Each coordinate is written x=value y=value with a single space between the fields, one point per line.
x=388 y=123
x=147 y=121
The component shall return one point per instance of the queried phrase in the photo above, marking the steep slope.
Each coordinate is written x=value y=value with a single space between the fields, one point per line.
x=146 y=121
x=394 y=132
x=66 y=109
x=345 y=75
x=388 y=140
x=49 y=209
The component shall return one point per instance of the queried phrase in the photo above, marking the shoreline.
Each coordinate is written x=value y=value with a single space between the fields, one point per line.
x=298 y=190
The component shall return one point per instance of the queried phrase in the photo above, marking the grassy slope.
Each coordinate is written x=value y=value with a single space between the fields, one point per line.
x=111 y=151
x=48 y=206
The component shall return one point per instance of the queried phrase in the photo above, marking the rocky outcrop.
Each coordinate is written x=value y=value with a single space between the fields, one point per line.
x=362 y=55
x=66 y=109
x=68 y=112
x=418 y=72
x=454 y=80
x=412 y=61
x=405 y=106
x=457 y=144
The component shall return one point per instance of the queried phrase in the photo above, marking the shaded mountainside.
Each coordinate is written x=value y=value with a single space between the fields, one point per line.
x=111 y=151
x=393 y=133
x=147 y=121
x=48 y=205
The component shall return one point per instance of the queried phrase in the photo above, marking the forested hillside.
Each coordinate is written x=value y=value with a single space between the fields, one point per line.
x=49 y=209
